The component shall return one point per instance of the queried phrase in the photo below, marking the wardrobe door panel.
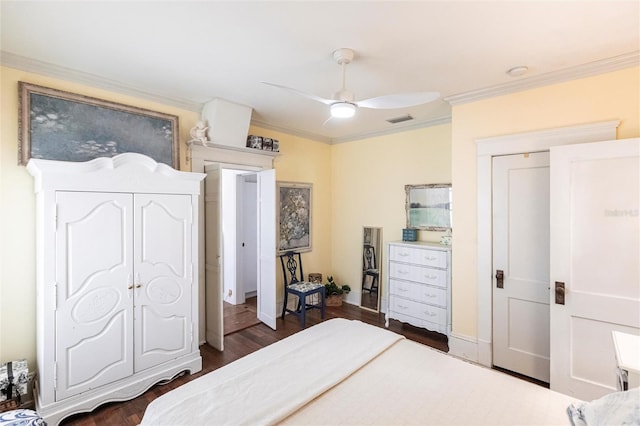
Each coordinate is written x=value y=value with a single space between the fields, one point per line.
x=164 y=278
x=94 y=312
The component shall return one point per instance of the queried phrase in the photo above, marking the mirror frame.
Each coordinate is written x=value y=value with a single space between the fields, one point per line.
x=429 y=193
x=379 y=249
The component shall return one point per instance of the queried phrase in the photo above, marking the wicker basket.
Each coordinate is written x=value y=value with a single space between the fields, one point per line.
x=334 y=300
x=9 y=404
x=315 y=277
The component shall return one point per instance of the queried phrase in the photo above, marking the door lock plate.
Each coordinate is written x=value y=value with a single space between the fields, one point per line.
x=499 y=278
x=559 y=293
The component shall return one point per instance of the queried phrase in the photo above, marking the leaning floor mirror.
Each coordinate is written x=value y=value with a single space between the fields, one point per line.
x=371 y=263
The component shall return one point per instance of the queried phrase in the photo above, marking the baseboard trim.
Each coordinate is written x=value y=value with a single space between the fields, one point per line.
x=463 y=347
x=485 y=353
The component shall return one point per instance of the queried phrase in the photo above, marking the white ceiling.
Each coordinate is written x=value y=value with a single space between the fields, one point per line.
x=186 y=53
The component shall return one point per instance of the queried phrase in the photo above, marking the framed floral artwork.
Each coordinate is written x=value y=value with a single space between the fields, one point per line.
x=294 y=216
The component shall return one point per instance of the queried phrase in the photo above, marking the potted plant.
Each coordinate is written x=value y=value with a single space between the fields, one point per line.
x=333 y=292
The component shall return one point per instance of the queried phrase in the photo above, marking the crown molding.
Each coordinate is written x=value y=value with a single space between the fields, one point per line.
x=593 y=68
x=572 y=73
x=56 y=71
x=356 y=136
x=290 y=131
x=541 y=140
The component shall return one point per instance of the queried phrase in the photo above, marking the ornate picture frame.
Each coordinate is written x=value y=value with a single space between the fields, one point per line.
x=58 y=125
x=428 y=206
x=295 y=202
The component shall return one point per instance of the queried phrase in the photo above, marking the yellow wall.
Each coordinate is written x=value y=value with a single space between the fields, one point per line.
x=356 y=184
x=17 y=223
x=368 y=179
x=302 y=160
x=610 y=96
x=306 y=161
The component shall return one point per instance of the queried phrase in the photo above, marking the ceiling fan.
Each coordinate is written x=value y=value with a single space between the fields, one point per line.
x=343 y=104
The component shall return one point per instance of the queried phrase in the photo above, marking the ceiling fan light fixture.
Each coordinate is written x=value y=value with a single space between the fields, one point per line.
x=343 y=110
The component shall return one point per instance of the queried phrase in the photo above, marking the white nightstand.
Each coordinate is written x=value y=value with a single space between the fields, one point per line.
x=627 y=348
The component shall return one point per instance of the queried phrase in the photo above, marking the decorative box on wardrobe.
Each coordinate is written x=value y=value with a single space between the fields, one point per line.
x=117 y=279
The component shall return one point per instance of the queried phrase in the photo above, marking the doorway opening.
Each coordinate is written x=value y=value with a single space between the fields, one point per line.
x=239 y=246
x=240 y=307
x=238 y=211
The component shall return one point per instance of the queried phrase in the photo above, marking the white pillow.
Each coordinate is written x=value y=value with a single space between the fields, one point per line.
x=618 y=408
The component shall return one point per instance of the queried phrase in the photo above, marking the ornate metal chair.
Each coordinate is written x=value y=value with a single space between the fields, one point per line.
x=294 y=284
x=370 y=268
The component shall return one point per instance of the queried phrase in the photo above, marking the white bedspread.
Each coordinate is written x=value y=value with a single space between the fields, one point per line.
x=267 y=386
x=343 y=372
x=413 y=384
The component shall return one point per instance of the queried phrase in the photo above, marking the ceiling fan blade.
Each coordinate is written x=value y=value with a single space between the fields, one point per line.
x=301 y=93
x=327 y=121
x=400 y=100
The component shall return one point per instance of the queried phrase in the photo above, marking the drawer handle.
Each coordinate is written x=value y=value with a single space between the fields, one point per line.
x=430 y=296
x=403 y=254
x=430 y=258
x=402 y=306
x=403 y=272
x=431 y=314
x=403 y=289
x=431 y=277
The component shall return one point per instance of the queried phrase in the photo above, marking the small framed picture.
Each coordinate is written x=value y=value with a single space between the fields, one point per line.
x=276 y=145
x=254 y=142
x=267 y=144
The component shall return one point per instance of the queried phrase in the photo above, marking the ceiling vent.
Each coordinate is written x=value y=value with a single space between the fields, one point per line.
x=400 y=119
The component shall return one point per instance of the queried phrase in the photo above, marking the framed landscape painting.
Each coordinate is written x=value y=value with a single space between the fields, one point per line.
x=294 y=216
x=429 y=206
x=57 y=125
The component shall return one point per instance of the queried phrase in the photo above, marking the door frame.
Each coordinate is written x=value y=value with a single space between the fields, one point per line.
x=517 y=143
x=227 y=156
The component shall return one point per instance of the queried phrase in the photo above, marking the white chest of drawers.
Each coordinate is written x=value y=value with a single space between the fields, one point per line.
x=419 y=283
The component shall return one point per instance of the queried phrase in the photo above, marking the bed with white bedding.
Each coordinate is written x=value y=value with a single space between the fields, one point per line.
x=348 y=372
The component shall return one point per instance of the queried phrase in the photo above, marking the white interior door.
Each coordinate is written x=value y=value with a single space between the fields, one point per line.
x=163 y=278
x=521 y=256
x=247 y=236
x=595 y=247
x=213 y=266
x=94 y=304
x=228 y=227
x=267 y=247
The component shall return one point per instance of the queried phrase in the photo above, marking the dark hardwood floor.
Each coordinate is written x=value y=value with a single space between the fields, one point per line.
x=238 y=317
x=237 y=345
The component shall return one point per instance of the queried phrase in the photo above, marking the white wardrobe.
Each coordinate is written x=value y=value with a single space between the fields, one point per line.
x=117 y=279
